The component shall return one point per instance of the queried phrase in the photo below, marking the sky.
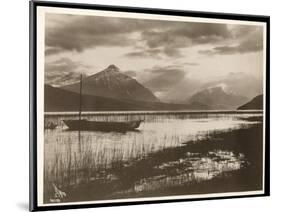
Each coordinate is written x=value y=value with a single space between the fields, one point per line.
x=173 y=59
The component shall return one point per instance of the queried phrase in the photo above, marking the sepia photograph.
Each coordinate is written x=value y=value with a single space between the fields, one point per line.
x=140 y=107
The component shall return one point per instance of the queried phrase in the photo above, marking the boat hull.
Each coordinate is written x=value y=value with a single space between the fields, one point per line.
x=85 y=125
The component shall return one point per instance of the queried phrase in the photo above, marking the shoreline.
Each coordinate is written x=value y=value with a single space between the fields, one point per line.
x=246 y=141
x=160 y=112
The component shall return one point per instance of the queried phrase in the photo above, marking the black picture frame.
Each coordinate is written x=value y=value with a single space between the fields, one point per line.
x=33 y=95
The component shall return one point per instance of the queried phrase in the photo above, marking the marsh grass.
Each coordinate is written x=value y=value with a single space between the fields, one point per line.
x=117 y=169
x=72 y=168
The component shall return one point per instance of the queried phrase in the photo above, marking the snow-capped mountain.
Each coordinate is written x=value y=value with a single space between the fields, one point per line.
x=218 y=98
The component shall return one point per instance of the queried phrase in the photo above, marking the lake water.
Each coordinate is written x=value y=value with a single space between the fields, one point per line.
x=67 y=153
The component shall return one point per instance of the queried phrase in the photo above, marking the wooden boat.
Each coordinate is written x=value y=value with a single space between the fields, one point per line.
x=84 y=124
x=101 y=126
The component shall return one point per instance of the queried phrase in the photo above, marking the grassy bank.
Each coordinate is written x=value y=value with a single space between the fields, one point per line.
x=172 y=167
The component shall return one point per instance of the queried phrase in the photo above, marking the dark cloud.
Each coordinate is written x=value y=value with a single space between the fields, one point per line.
x=245 y=47
x=157 y=38
x=52 y=50
x=76 y=33
x=83 y=32
x=137 y=54
x=190 y=64
x=172 y=52
x=240 y=31
x=207 y=52
x=163 y=78
x=201 y=32
x=249 y=45
x=252 y=41
x=162 y=69
x=182 y=34
x=63 y=71
x=155 y=53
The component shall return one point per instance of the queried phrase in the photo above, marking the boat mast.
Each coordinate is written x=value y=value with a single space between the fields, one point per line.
x=80 y=98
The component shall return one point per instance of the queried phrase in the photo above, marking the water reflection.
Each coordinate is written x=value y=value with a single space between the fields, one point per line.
x=192 y=169
x=67 y=162
x=156 y=133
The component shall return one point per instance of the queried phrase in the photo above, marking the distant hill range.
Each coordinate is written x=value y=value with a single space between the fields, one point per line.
x=255 y=104
x=112 y=90
x=113 y=84
x=217 y=98
x=58 y=99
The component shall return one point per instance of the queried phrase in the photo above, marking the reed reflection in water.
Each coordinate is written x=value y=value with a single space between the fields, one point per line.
x=68 y=162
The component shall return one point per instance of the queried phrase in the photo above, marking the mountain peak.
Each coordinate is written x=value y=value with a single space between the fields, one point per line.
x=112 y=67
x=217 y=98
x=112 y=83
